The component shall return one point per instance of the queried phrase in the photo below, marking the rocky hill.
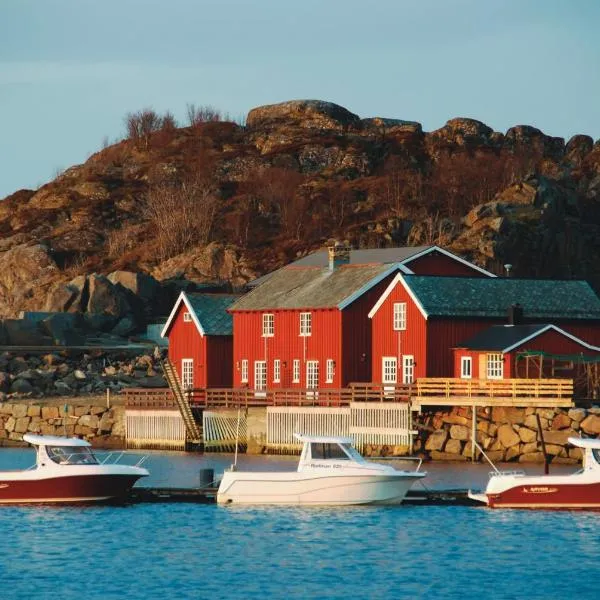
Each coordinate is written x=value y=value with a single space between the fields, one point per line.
x=222 y=203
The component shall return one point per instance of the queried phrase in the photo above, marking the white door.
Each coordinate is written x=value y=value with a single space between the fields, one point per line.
x=408 y=369
x=466 y=367
x=312 y=377
x=260 y=377
x=187 y=373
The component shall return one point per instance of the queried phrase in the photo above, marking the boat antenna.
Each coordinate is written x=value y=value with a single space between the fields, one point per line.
x=237 y=439
x=541 y=434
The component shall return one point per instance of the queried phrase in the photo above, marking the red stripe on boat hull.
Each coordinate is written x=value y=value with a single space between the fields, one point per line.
x=584 y=496
x=79 y=488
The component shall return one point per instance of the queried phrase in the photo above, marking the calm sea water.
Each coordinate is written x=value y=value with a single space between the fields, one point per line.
x=180 y=551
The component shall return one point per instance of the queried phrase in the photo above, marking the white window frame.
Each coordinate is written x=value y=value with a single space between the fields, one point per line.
x=494 y=365
x=408 y=369
x=466 y=367
x=260 y=375
x=312 y=374
x=330 y=370
x=244 y=375
x=399 y=316
x=296 y=371
x=187 y=317
x=389 y=370
x=277 y=371
x=305 y=324
x=268 y=325
x=187 y=374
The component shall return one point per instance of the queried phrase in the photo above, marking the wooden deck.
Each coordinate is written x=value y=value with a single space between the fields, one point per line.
x=424 y=392
x=443 y=391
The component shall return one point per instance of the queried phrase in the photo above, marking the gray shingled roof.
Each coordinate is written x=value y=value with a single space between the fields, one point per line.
x=211 y=310
x=320 y=258
x=491 y=297
x=499 y=337
x=311 y=287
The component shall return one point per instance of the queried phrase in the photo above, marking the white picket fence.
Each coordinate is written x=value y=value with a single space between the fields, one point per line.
x=365 y=422
x=220 y=429
x=155 y=429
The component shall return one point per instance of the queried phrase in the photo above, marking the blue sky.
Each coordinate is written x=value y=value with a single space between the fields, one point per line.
x=71 y=69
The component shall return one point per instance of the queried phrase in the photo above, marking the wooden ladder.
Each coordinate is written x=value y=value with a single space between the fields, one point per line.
x=191 y=425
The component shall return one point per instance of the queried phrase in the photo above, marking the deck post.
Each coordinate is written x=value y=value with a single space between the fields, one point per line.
x=473 y=431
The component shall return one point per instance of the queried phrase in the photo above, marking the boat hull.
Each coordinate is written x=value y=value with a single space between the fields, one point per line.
x=66 y=489
x=548 y=495
x=314 y=489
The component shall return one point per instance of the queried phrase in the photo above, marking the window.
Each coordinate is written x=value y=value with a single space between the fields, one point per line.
x=495 y=366
x=245 y=370
x=71 y=455
x=389 y=368
x=399 y=316
x=276 y=371
x=187 y=373
x=296 y=371
x=466 y=367
x=187 y=317
x=330 y=370
x=305 y=324
x=319 y=451
x=312 y=374
x=268 y=325
x=408 y=369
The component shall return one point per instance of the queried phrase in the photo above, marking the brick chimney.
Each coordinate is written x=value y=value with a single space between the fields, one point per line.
x=339 y=254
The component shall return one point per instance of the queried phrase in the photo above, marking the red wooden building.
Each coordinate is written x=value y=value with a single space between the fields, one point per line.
x=419 y=320
x=307 y=326
x=200 y=335
x=501 y=351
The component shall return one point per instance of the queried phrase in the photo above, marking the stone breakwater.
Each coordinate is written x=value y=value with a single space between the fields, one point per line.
x=505 y=433
x=76 y=373
x=102 y=425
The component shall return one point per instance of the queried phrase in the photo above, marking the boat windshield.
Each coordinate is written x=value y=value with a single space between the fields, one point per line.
x=327 y=451
x=596 y=453
x=71 y=455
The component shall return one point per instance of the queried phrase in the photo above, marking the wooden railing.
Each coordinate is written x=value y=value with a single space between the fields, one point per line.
x=493 y=389
x=155 y=398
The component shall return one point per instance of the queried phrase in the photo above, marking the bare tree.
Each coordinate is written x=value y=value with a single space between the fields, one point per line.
x=143 y=123
x=182 y=213
x=202 y=114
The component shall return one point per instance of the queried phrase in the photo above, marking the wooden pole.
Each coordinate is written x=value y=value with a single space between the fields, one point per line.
x=473 y=432
x=540 y=433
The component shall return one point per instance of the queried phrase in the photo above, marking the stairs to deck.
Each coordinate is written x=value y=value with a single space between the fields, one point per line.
x=194 y=430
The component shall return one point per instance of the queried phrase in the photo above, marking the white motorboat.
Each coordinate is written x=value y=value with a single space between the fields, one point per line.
x=330 y=472
x=515 y=489
x=67 y=470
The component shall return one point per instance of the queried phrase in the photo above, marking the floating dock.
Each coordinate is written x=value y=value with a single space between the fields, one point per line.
x=208 y=495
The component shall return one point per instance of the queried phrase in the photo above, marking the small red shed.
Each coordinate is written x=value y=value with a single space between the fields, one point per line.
x=418 y=320
x=200 y=334
x=494 y=353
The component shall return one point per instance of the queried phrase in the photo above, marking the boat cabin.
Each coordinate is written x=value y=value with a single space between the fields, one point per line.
x=326 y=452
x=61 y=450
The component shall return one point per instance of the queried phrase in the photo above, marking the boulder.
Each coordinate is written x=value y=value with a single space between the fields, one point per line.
x=106 y=298
x=532 y=457
x=561 y=421
x=577 y=414
x=21 y=386
x=455 y=419
x=459 y=432
x=62 y=328
x=559 y=438
x=453 y=446
x=527 y=435
x=591 y=424
x=310 y=114
x=507 y=436
x=436 y=440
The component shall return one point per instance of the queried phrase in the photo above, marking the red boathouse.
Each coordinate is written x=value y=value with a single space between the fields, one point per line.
x=419 y=320
x=306 y=325
x=199 y=330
